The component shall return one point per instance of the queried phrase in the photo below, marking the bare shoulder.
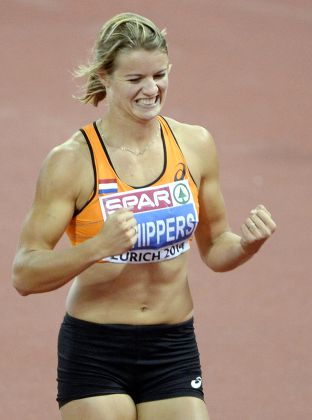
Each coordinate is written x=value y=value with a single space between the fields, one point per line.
x=197 y=145
x=70 y=152
x=195 y=135
x=65 y=165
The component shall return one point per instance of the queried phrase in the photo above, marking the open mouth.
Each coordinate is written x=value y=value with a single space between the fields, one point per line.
x=147 y=101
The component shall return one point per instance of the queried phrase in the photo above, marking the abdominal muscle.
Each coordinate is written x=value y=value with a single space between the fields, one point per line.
x=136 y=294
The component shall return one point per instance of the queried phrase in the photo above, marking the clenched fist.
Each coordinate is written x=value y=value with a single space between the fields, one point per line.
x=119 y=232
x=258 y=227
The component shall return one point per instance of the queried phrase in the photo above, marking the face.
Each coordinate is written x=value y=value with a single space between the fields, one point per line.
x=139 y=84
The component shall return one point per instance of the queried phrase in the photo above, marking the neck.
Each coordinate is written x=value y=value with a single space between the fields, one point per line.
x=121 y=132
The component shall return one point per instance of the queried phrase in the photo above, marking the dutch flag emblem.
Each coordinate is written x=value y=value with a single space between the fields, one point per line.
x=108 y=186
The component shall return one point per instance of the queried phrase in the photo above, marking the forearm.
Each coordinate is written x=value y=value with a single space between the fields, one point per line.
x=226 y=253
x=38 y=271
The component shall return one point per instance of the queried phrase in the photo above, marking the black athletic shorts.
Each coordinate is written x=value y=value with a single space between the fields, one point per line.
x=147 y=362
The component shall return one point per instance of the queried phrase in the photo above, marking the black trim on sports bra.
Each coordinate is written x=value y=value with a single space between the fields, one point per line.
x=94 y=172
x=111 y=164
x=167 y=124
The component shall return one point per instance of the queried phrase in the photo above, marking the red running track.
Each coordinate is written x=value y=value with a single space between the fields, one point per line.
x=242 y=69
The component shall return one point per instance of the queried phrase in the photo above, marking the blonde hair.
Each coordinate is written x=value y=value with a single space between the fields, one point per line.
x=124 y=31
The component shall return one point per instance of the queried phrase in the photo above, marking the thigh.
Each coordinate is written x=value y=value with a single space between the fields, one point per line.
x=93 y=360
x=107 y=407
x=173 y=409
x=168 y=364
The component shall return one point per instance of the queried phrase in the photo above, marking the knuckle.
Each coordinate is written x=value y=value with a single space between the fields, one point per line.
x=263 y=235
x=117 y=216
x=124 y=226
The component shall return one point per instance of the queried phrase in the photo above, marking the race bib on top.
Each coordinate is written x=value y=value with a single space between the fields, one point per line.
x=166 y=216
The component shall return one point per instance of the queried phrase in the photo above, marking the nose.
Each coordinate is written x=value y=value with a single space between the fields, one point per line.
x=150 y=87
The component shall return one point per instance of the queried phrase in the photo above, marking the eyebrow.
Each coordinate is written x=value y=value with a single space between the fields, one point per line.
x=139 y=75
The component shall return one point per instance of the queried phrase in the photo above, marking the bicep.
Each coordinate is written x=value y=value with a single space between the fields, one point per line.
x=212 y=218
x=53 y=206
x=45 y=224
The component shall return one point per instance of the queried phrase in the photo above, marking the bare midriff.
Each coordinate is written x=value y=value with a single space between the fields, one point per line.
x=139 y=294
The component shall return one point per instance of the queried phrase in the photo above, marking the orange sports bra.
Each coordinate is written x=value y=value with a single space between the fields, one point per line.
x=166 y=210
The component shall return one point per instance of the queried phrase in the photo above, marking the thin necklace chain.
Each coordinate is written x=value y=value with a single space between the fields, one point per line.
x=124 y=148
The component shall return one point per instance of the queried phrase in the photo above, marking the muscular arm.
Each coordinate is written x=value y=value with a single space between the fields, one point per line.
x=38 y=267
x=220 y=248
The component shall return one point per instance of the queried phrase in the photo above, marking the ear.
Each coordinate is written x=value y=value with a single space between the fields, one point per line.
x=104 y=77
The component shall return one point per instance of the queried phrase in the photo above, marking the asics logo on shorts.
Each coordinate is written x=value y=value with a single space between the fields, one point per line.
x=196 y=383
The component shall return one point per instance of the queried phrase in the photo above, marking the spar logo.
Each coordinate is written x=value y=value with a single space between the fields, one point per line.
x=181 y=193
x=143 y=200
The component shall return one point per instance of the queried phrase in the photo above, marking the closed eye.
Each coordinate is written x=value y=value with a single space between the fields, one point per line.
x=157 y=76
x=160 y=75
x=134 y=80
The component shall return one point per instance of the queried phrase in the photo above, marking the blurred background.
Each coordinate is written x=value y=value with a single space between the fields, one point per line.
x=242 y=69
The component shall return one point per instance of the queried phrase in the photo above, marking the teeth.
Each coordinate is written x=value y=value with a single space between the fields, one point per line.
x=147 y=101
